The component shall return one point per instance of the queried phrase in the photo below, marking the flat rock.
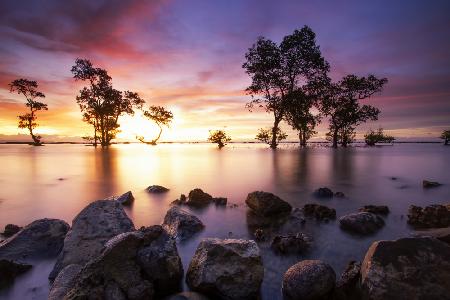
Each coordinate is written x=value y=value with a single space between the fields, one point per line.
x=375 y=209
x=320 y=212
x=11 y=229
x=361 y=223
x=91 y=229
x=157 y=189
x=124 y=199
x=430 y=184
x=181 y=224
x=267 y=204
x=432 y=216
x=291 y=244
x=9 y=270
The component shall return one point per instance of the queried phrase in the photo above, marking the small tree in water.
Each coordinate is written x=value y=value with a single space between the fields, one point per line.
x=446 y=137
x=219 y=137
x=265 y=136
x=373 y=137
x=28 y=89
x=160 y=116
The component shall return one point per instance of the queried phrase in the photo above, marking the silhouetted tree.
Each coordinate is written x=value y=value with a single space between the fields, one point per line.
x=340 y=102
x=160 y=116
x=277 y=71
x=373 y=137
x=219 y=137
x=265 y=135
x=100 y=103
x=446 y=137
x=28 y=88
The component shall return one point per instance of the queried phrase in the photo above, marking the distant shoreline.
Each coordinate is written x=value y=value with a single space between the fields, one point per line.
x=201 y=142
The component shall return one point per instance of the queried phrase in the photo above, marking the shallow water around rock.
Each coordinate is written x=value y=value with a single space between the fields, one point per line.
x=57 y=181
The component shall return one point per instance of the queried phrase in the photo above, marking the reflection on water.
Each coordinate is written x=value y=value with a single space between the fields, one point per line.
x=57 y=181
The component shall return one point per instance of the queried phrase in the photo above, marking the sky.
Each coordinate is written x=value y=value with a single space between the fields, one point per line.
x=187 y=55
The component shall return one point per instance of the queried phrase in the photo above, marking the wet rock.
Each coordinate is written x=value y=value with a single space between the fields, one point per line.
x=291 y=244
x=156 y=189
x=408 y=268
x=124 y=199
x=198 y=198
x=11 y=230
x=226 y=269
x=187 y=296
x=308 y=279
x=347 y=286
x=64 y=282
x=339 y=195
x=361 y=223
x=181 y=224
x=375 y=209
x=267 y=204
x=324 y=192
x=91 y=229
x=40 y=239
x=442 y=234
x=433 y=216
x=320 y=212
x=9 y=270
x=430 y=184
x=220 y=201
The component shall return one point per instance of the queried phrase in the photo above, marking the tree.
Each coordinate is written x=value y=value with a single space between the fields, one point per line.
x=265 y=135
x=446 y=137
x=340 y=102
x=100 y=103
x=28 y=88
x=277 y=71
x=219 y=137
x=373 y=137
x=160 y=116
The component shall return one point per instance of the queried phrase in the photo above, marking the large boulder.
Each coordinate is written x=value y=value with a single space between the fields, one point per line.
x=9 y=270
x=320 y=212
x=361 y=223
x=375 y=209
x=197 y=197
x=267 y=204
x=64 y=282
x=10 y=230
x=226 y=269
x=433 y=216
x=135 y=265
x=42 y=238
x=124 y=199
x=308 y=279
x=291 y=244
x=91 y=229
x=408 y=268
x=181 y=224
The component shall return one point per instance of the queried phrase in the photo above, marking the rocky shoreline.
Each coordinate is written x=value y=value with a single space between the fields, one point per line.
x=103 y=256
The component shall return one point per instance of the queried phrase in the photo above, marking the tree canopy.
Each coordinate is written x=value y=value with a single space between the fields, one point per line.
x=373 y=137
x=265 y=135
x=220 y=137
x=446 y=137
x=161 y=117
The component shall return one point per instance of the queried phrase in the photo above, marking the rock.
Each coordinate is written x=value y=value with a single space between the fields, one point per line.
x=157 y=189
x=361 y=223
x=442 y=234
x=187 y=296
x=320 y=212
x=42 y=238
x=181 y=224
x=9 y=270
x=134 y=265
x=324 y=192
x=408 y=268
x=259 y=235
x=91 y=229
x=339 y=195
x=124 y=199
x=394 y=178
x=430 y=184
x=11 y=230
x=433 y=216
x=267 y=204
x=308 y=279
x=220 y=201
x=291 y=244
x=375 y=209
x=64 y=282
x=198 y=198
x=347 y=286
x=226 y=269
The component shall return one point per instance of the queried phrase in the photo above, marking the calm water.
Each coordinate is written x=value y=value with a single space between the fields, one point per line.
x=57 y=181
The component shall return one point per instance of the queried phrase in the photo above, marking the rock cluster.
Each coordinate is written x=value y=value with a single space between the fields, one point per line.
x=291 y=244
x=198 y=198
x=433 y=216
x=361 y=223
x=320 y=212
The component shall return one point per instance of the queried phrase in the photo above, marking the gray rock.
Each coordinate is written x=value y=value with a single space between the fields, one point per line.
x=291 y=244
x=42 y=238
x=324 y=192
x=361 y=223
x=156 y=189
x=408 y=268
x=226 y=269
x=308 y=279
x=267 y=204
x=430 y=184
x=9 y=270
x=375 y=209
x=11 y=229
x=64 y=282
x=124 y=199
x=181 y=224
x=91 y=229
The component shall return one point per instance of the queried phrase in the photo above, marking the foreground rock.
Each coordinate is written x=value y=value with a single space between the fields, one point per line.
x=226 y=269
x=375 y=209
x=156 y=189
x=442 y=234
x=124 y=199
x=347 y=286
x=91 y=229
x=324 y=192
x=433 y=216
x=42 y=238
x=320 y=212
x=430 y=184
x=361 y=223
x=408 y=268
x=134 y=265
x=64 y=282
x=291 y=244
x=11 y=229
x=308 y=279
x=9 y=270
x=267 y=204
x=181 y=224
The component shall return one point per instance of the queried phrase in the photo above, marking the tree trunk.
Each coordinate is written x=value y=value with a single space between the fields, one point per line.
x=335 y=138
x=302 y=138
x=273 y=143
x=446 y=141
x=159 y=135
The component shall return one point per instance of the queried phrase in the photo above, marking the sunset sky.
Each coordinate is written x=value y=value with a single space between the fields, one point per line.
x=187 y=55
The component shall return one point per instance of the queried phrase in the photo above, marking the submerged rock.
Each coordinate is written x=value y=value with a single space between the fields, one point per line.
x=291 y=244
x=433 y=216
x=91 y=229
x=226 y=269
x=64 y=282
x=308 y=279
x=408 y=268
x=156 y=189
x=361 y=223
x=181 y=224
x=324 y=192
x=375 y=209
x=347 y=286
x=11 y=229
x=40 y=239
x=430 y=184
x=320 y=212
x=339 y=195
x=124 y=199
x=220 y=201
x=267 y=204
x=9 y=270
